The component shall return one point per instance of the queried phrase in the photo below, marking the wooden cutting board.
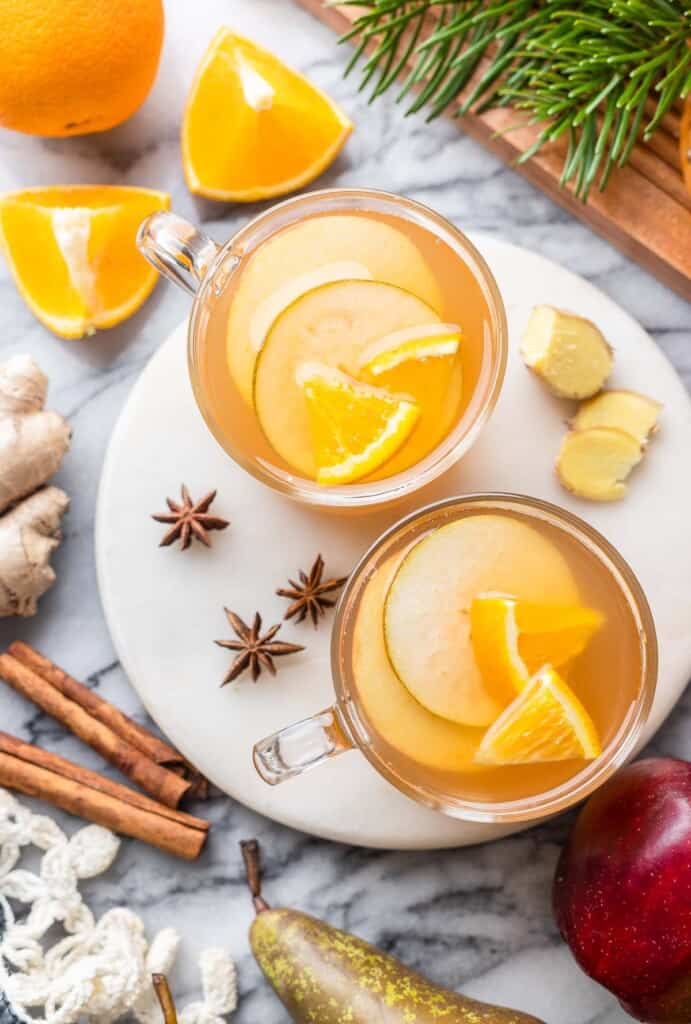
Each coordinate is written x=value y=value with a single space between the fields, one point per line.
x=645 y=211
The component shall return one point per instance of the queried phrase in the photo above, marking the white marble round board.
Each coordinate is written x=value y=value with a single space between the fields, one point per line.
x=165 y=607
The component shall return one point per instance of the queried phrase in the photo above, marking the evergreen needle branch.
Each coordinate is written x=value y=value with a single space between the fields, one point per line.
x=602 y=73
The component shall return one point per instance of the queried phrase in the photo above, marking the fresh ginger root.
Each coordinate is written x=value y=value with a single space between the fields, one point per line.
x=32 y=440
x=594 y=463
x=32 y=444
x=567 y=352
x=623 y=410
x=28 y=535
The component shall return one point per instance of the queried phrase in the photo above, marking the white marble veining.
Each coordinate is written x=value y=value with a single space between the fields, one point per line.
x=477 y=918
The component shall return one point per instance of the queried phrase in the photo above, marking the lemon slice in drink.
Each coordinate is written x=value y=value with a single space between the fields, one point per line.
x=355 y=428
x=512 y=639
x=546 y=722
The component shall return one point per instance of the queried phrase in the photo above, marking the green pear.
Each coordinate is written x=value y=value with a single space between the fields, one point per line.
x=327 y=976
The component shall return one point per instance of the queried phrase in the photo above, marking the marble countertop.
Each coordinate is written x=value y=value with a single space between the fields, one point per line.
x=479 y=918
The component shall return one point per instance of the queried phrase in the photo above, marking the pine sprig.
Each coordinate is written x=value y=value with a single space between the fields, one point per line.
x=602 y=73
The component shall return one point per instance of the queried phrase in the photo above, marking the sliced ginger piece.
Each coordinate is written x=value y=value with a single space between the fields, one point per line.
x=595 y=463
x=546 y=722
x=567 y=352
x=623 y=410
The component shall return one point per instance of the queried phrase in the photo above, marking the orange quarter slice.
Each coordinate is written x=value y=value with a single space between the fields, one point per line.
x=546 y=722
x=254 y=128
x=355 y=428
x=73 y=255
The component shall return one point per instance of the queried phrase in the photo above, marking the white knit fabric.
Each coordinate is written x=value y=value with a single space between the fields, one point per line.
x=99 y=969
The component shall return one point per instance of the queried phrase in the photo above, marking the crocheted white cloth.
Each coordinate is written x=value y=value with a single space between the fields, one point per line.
x=99 y=969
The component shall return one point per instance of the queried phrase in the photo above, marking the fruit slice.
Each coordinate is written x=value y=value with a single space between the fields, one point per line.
x=427 y=612
x=73 y=255
x=355 y=428
x=546 y=722
x=595 y=463
x=330 y=325
x=420 y=361
x=254 y=128
x=388 y=707
x=554 y=634
x=513 y=639
x=275 y=274
x=623 y=410
x=494 y=636
x=412 y=344
x=568 y=352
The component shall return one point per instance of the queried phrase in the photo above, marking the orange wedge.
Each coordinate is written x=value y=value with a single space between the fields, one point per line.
x=355 y=428
x=254 y=128
x=513 y=639
x=554 y=634
x=494 y=636
x=546 y=722
x=73 y=255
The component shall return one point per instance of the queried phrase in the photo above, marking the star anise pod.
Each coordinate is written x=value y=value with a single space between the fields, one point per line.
x=189 y=519
x=255 y=651
x=308 y=596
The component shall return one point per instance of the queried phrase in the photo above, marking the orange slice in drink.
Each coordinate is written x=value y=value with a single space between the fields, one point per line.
x=513 y=639
x=355 y=428
x=412 y=344
x=73 y=254
x=546 y=722
x=254 y=128
x=494 y=636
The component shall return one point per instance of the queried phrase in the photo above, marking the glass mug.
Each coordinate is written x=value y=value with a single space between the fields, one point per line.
x=354 y=722
x=212 y=274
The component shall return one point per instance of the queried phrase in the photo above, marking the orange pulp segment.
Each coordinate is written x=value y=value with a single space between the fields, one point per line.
x=355 y=428
x=545 y=722
x=253 y=127
x=513 y=639
x=73 y=254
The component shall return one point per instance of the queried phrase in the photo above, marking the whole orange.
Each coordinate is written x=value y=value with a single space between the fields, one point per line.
x=73 y=66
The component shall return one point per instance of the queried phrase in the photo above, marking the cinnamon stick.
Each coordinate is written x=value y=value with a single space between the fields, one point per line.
x=84 y=776
x=165 y=786
x=100 y=807
x=127 y=729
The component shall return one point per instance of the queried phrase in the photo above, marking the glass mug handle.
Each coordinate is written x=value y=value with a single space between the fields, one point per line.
x=176 y=249
x=300 y=746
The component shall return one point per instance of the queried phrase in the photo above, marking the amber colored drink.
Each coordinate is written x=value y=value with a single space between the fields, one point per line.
x=515 y=550
x=321 y=290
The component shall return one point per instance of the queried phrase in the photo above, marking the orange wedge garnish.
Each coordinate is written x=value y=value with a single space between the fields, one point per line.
x=513 y=639
x=355 y=428
x=254 y=128
x=546 y=722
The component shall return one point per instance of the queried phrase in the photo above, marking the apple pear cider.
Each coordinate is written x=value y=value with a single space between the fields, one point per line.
x=492 y=657
x=344 y=348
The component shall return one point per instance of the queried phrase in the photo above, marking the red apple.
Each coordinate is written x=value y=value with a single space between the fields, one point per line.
x=622 y=891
